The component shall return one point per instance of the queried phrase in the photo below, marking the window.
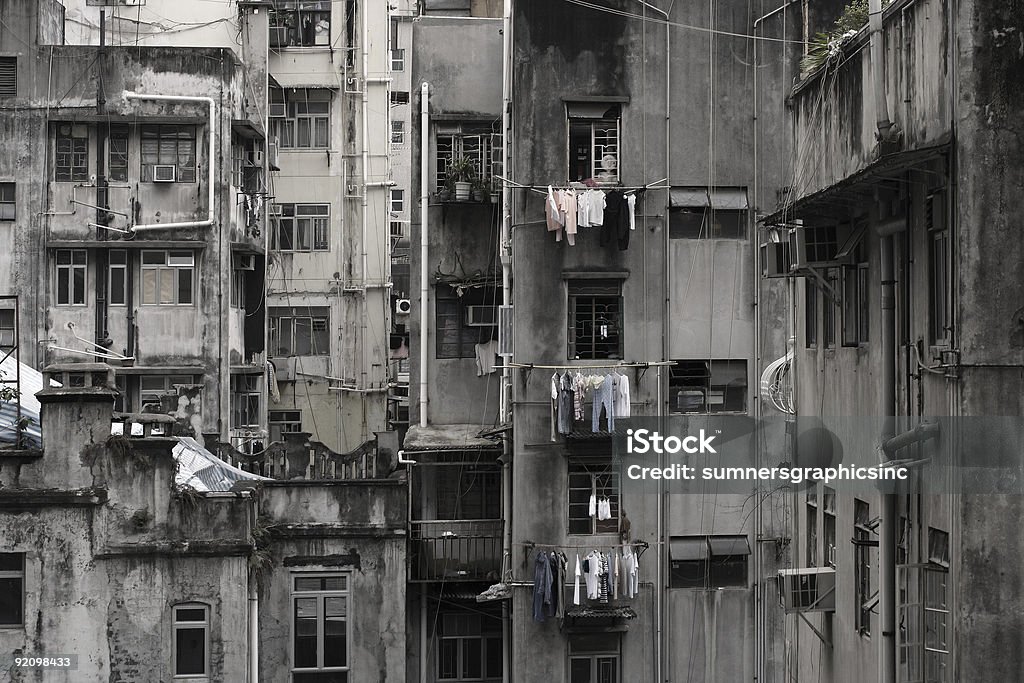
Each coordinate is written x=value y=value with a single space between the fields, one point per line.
x=468 y=492
x=71 y=268
x=8 y=330
x=191 y=640
x=300 y=23
x=300 y=227
x=595 y=319
x=455 y=337
x=7 y=204
x=305 y=122
x=168 y=278
x=829 y=312
x=855 y=299
x=474 y=141
x=924 y=614
x=245 y=401
x=398 y=132
x=708 y=386
x=829 y=530
x=117 y=277
x=862 y=530
x=117 y=153
x=238 y=288
x=708 y=561
x=300 y=331
x=594 y=658
x=469 y=646
x=153 y=387
x=810 y=314
x=12 y=589
x=592 y=476
x=936 y=624
x=594 y=141
x=940 y=268
x=284 y=422
x=396 y=203
x=8 y=76
x=398 y=59
x=812 y=527
x=169 y=145
x=72 y=160
x=699 y=223
x=320 y=604
x=399 y=97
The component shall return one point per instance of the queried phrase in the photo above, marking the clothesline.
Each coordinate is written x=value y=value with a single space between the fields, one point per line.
x=635 y=364
x=543 y=189
x=591 y=546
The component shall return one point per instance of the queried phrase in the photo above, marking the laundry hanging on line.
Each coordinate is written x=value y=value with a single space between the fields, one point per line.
x=609 y=394
x=569 y=210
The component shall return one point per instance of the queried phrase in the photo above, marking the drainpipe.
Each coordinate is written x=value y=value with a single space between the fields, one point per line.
x=878 y=70
x=424 y=235
x=505 y=255
x=212 y=152
x=887 y=539
x=365 y=105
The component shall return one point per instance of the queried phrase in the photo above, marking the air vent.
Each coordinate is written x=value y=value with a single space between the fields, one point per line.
x=164 y=173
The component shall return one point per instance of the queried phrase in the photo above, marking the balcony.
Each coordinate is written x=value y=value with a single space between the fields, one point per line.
x=464 y=550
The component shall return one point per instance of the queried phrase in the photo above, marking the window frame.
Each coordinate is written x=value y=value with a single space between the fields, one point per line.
x=396 y=200
x=397 y=58
x=606 y=293
x=17 y=575
x=289 y=15
x=8 y=329
x=283 y=421
x=65 y=296
x=118 y=137
x=717 y=574
x=397 y=132
x=940 y=270
x=321 y=596
x=120 y=285
x=486 y=638
x=811 y=299
x=245 y=388
x=185 y=139
x=811 y=526
x=315 y=315
x=151 y=395
x=179 y=625
x=862 y=566
x=317 y=124
x=588 y=118
x=603 y=477
x=8 y=198
x=856 y=308
x=448 y=307
x=684 y=377
x=475 y=140
x=828 y=317
x=76 y=168
x=317 y=216
x=828 y=537
x=9 y=70
x=175 y=271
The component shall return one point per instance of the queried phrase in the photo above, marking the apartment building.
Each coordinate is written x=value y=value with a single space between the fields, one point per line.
x=328 y=286
x=903 y=258
x=134 y=183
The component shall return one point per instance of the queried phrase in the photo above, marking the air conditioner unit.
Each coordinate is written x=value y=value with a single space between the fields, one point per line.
x=245 y=261
x=278 y=110
x=775 y=261
x=505 y=331
x=808 y=590
x=813 y=246
x=403 y=307
x=482 y=316
x=164 y=173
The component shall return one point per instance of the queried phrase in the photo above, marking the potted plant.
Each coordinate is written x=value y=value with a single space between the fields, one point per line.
x=495 y=191
x=479 y=189
x=463 y=172
x=444 y=193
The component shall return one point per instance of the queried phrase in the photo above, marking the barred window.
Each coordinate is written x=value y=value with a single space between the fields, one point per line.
x=594 y=141
x=595 y=319
x=300 y=23
x=72 y=156
x=593 y=476
x=169 y=145
x=284 y=422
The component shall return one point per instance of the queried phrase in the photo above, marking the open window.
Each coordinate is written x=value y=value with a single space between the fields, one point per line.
x=708 y=386
x=708 y=213
x=300 y=23
x=594 y=141
x=708 y=561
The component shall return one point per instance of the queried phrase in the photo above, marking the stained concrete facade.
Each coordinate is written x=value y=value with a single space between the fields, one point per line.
x=110 y=546
x=87 y=253
x=949 y=179
x=335 y=381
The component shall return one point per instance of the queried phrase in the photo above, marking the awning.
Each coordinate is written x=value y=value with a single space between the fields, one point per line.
x=453 y=437
x=302 y=80
x=857 y=187
x=704 y=197
x=729 y=545
x=693 y=548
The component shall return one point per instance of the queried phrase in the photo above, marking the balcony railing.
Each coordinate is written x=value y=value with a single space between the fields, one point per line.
x=463 y=550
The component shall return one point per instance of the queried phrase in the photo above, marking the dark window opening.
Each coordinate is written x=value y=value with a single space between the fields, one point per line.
x=71 y=163
x=457 y=329
x=300 y=23
x=594 y=141
x=595 y=319
x=596 y=478
x=708 y=561
x=708 y=386
x=699 y=222
x=12 y=589
x=855 y=299
x=8 y=206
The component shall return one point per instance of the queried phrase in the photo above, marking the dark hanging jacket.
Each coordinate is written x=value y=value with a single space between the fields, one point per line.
x=616 y=220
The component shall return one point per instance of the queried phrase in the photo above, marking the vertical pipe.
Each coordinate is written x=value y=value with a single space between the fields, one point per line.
x=505 y=255
x=364 y=360
x=878 y=68
x=424 y=237
x=424 y=657
x=887 y=535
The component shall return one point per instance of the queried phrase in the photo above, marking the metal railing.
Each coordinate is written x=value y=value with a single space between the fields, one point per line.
x=456 y=550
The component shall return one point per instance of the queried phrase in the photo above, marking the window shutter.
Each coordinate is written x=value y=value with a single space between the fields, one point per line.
x=8 y=76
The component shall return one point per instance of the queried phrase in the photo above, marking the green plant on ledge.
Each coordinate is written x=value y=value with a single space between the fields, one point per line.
x=824 y=46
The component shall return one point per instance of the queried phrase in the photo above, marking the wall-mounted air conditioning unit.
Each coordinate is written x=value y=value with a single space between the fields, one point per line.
x=403 y=307
x=278 y=110
x=813 y=246
x=808 y=590
x=164 y=173
x=482 y=316
x=775 y=261
x=244 y=261
x=505 y=336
